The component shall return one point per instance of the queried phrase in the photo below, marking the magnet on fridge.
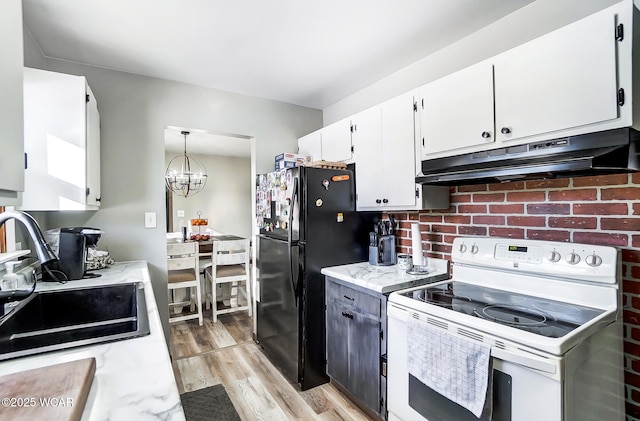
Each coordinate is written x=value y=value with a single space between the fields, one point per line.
x=319 y=202
x=325 y=184
x=340 y=217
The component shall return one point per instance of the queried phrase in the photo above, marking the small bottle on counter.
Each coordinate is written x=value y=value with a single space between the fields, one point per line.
x=10 y=279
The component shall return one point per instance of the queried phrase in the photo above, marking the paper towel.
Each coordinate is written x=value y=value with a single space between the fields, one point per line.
x=416 y=245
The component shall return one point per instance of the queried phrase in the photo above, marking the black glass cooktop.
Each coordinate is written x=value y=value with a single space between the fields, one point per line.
x=541 y=316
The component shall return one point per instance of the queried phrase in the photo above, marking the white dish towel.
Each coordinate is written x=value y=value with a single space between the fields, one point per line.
x=458 y=368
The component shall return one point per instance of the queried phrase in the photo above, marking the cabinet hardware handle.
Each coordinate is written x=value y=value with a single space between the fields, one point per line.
x=620 y=32
x=348 y=298
x=505 y=130
x=621 y=97
x=378 y=201
x=486 y=135
x=385 y=200
x=347 y=315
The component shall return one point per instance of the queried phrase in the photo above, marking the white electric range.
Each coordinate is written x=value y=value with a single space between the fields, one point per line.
x=546 y=316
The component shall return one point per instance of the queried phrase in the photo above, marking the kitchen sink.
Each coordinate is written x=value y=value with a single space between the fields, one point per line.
x=60 y=319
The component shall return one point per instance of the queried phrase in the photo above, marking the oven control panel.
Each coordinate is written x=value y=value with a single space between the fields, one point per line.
x=518 y=253
x=550 y=258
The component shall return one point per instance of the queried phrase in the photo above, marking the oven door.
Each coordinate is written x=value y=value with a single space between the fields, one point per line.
x=525 y=386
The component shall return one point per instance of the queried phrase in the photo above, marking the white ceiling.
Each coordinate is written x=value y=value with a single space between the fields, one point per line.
x=206 y=143
x=305 y=52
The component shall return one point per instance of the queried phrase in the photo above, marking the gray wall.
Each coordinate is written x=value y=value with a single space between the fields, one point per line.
x=533 y=20
x=226 y=199
x=134 y=111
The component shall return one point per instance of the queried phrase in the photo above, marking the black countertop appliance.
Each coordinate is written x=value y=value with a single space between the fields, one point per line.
x=70 y=244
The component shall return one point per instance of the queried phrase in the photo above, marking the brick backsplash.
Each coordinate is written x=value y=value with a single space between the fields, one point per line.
x=601 y=210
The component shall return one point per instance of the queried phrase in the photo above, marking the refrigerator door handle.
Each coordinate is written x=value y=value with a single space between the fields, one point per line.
x=294 y=281
x=293 y=243
x=294 y=199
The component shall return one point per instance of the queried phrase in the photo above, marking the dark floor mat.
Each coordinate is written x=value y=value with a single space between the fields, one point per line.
x=210 y=403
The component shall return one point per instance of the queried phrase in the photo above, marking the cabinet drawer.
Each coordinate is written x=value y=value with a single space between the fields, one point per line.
x=353 y=299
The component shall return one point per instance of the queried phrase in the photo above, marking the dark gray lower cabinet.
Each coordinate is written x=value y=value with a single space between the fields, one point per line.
x=355 y=342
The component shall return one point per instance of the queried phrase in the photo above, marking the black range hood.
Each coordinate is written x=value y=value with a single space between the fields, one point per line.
x=607 y=152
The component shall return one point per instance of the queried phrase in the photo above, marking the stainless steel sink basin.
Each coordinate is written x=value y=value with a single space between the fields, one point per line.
x=54 y=320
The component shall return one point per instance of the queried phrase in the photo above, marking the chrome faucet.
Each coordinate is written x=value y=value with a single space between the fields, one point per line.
x=43 y=251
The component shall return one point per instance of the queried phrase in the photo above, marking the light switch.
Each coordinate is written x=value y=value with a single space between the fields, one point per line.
x=150 y=220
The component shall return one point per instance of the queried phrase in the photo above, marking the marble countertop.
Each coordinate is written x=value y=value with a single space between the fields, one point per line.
x=134 y=379
x=386 y=279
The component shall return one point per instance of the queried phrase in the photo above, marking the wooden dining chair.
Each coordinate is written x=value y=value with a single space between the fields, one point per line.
x=184 y=273
x=230 y=265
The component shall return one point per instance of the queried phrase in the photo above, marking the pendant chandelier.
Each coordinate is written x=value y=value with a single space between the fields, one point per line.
x=185 y=176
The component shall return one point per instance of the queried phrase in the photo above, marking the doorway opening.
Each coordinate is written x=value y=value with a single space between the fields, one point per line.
x=225 y=202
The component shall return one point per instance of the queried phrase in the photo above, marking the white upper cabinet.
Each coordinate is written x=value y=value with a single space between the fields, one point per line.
x=311 y=144
x=331 y=143
x=384 y=153
x=398 y=151
x=93 y=191
x=11 y=120
x=336 y=141
x=62 y=142
x=561 y=80
x=574 y=80
x=368 y=157
x=457 y=110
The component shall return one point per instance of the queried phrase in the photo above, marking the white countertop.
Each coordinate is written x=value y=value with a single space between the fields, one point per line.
x=134 y=379
x=385 y=279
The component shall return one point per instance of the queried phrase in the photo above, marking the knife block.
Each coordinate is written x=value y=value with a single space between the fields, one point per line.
x=384 y=253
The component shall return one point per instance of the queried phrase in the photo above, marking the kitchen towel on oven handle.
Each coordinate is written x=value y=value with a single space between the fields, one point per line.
x=457 y=368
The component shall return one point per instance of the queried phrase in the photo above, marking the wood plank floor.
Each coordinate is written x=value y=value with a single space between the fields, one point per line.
x=224 y=353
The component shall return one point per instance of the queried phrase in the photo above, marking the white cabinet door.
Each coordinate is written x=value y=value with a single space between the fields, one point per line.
x=11 y=123
x=398 y=151
x=384 y=154
x=367 y=153
x=336 y=141
x=93 y=150
x=57 y=144
x=311 y=144
x=562 y=80
x=457 y=111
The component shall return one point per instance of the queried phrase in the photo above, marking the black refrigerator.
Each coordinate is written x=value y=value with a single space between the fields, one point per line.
x=307 y=221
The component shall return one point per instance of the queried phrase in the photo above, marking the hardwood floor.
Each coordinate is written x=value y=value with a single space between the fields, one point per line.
x=224 y=353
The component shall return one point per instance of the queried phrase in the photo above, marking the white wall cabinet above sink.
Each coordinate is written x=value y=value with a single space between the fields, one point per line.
x=575 y=80
x=11 y=135
x=62 y=142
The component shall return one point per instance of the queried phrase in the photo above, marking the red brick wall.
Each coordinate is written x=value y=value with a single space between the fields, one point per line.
x=601 y=210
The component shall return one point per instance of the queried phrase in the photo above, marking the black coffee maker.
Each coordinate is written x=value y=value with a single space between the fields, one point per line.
x=71 y=244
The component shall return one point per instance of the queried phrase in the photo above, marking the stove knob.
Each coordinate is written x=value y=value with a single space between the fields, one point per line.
x=573 y=258
x=593 y=260
x=554 y=256
x=463 y=248
x=474 y=249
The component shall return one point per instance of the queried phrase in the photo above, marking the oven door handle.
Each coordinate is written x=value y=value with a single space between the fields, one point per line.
x=524 y=359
